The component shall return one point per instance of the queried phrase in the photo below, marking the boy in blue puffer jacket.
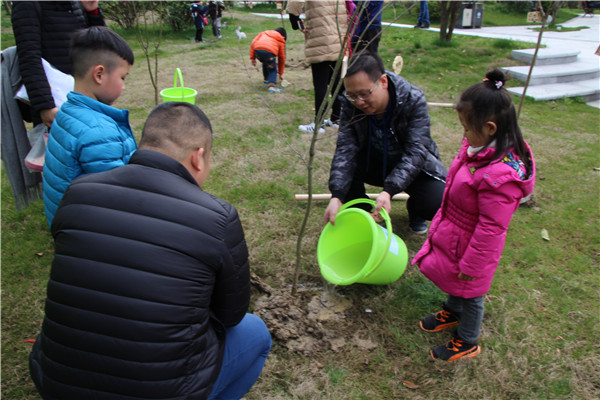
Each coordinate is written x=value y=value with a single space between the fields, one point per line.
x=88 y=134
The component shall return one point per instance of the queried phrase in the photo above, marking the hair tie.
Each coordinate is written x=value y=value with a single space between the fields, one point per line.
x=498 y=84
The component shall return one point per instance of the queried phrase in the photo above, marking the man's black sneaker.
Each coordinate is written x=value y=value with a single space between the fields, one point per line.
x=455 y=350
x=439 y=321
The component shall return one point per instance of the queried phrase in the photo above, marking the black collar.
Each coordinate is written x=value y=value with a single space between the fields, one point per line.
x=155 y=159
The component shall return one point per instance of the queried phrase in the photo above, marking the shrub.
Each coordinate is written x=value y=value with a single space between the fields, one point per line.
x=515 y=7
x=124 y=13
x=176 y=14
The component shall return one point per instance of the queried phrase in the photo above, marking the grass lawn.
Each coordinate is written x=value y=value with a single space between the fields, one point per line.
x=540 y=333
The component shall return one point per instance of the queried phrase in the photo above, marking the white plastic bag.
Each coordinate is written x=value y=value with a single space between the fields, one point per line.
x=60 y=85
x=38 y=137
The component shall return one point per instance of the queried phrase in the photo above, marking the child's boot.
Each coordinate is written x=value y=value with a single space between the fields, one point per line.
x=454 y=350
x=439 y=321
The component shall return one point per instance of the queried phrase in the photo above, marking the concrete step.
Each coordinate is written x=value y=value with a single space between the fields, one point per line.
x=548 y=74
x=588 y=89
x=546 y=56
x=594 y=103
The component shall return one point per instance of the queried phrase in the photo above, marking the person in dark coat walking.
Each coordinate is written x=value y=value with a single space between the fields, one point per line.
x=43 y=29
x=150 y=283
x=367 y=33
x=384 y=140
x=199 y=16
x=215 y=12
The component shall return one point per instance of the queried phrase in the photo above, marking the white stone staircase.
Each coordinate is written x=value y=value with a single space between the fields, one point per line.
x=557 y=73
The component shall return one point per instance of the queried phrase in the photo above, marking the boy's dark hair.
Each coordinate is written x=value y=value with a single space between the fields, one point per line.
x=175 y=128
x=368 y=62
x=490 y=101
x=282 y=32
x=97 y=45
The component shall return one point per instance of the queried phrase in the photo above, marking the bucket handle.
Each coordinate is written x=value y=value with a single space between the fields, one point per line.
x=178 y=75
x=388 y=226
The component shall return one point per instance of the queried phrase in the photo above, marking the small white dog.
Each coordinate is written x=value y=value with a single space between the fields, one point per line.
x=238 y=32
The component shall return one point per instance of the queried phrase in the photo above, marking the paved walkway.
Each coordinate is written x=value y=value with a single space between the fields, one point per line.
x=587 y=40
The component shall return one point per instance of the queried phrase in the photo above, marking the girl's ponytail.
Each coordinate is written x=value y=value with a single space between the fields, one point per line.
x=495 y=79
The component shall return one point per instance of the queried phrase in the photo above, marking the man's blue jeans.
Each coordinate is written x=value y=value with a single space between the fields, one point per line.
x=423 y=13
x=269 y=65
x=247 y=346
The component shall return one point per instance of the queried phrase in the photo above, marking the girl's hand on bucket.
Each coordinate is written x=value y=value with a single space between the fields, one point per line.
x=332 y=210
x=465 y=277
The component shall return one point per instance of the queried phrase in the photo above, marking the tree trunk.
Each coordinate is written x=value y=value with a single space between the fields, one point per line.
x=7 y=6
x=448 y=16
x=146 y=39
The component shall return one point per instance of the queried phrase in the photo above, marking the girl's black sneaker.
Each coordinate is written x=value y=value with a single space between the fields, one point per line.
x=454 y=350
x=439 y=321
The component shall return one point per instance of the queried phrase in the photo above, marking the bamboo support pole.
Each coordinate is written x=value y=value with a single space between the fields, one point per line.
x=441 y=104
x=327 y=196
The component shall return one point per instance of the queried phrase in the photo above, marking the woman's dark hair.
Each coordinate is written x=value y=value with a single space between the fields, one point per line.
x=490 y=101
x=282 y=32
x=368 y=62
x=97 y=45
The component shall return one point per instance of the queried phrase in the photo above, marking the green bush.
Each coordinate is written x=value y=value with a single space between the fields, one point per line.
x=177 y=15
x=515 y=7
x=124 y=13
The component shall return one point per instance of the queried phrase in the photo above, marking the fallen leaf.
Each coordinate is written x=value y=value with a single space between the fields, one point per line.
x=411 y=385
x=41 y=253
x=545 y=235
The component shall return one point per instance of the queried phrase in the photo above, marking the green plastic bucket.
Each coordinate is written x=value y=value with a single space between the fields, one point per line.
x=179 y=93
x=358 y=250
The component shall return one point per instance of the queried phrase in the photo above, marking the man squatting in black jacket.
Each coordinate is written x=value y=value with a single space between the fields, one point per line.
x=150 y=281
x=384 y=140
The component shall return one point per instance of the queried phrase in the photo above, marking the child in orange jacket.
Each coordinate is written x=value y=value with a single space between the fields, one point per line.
x=269 y=48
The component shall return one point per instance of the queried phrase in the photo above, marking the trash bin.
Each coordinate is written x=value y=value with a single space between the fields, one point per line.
x=470 y=15
x=478 y=15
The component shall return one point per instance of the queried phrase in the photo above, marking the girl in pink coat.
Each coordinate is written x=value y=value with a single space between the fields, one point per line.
x=492 y=173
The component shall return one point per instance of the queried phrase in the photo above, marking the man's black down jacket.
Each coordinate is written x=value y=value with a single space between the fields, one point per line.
x=148 y=272
x=410 y=124
x=43 y=30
